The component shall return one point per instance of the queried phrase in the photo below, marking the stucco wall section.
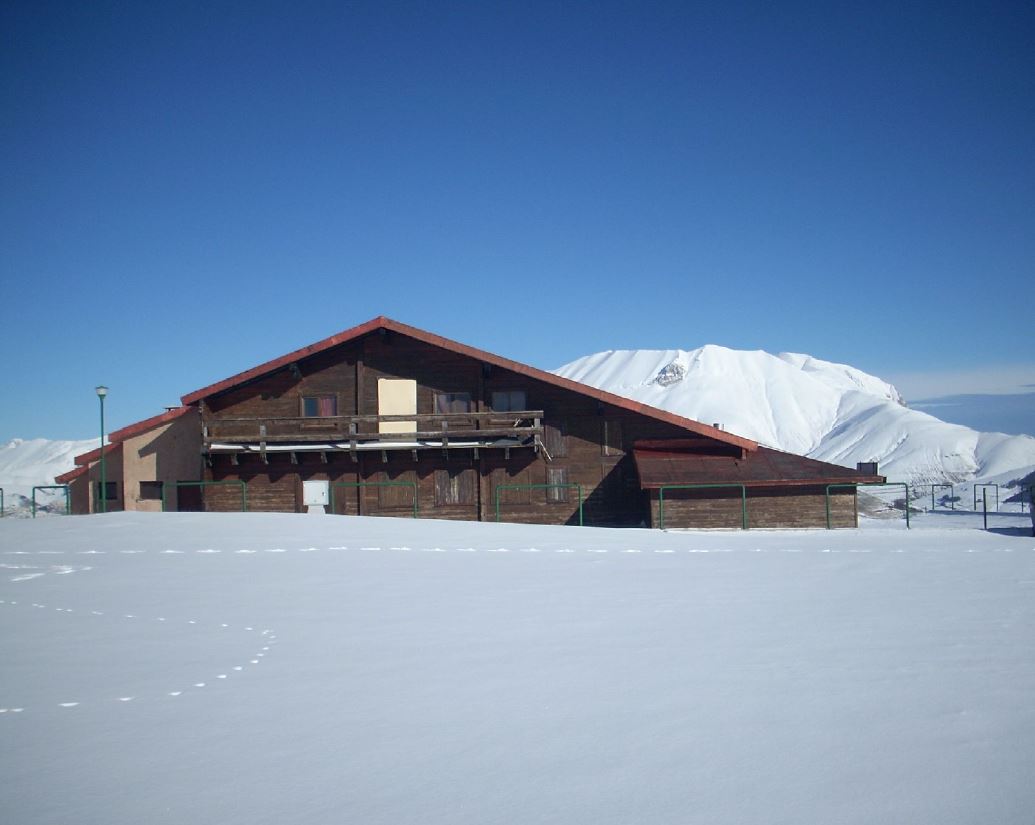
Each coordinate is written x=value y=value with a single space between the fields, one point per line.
x=169 y=453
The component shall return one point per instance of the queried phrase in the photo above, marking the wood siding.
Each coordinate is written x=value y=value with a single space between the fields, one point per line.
x=588 y=442
x=767 y=507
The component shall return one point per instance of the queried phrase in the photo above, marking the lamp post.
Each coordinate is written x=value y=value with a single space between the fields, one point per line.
x=101 y=392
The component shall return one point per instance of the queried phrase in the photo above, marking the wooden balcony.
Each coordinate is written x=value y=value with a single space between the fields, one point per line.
x=357 y=429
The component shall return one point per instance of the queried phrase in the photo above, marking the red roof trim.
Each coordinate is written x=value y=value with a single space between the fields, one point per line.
x=148 y=424
x=94 y=454
x=382 y=322
x=71 y=475
x=116 y=437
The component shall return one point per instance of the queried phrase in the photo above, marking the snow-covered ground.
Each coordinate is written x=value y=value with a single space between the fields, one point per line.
x=254 y=668
x=831 y=412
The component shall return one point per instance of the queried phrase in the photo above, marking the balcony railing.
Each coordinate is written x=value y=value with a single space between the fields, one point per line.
x=364 y=428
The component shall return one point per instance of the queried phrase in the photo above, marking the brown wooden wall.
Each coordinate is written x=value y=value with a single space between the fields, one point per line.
x=590 y=443
x=767 y=507
x=578 y=428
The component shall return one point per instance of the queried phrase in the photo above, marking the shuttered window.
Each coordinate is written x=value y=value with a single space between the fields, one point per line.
x=556 y=476
x=454 y=487
x=507 y=479
x=555 y=439
x=397 y=494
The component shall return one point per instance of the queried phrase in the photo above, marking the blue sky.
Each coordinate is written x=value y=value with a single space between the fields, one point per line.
x=191 y=189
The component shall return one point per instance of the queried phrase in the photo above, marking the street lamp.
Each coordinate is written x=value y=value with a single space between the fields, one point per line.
x=101 y=392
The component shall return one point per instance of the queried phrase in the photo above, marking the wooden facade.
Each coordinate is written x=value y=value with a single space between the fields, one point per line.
x=389 y=420
x=459 y=465
x=485 y=439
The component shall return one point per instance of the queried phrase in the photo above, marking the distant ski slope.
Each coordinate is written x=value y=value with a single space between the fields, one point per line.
x=25 y=463
x=832 y=412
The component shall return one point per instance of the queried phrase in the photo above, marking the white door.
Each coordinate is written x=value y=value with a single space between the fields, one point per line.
x=396 y=396
x=316 y=493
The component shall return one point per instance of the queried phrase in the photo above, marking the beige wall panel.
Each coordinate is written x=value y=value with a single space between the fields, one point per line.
x=396 y=396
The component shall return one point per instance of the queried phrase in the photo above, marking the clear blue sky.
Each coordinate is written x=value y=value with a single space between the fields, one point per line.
x=189 y=189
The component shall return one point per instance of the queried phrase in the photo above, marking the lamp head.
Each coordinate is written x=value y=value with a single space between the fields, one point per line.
x=102 y=391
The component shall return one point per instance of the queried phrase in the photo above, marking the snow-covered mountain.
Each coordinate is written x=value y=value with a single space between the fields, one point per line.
x=25 y=463
x=832 y=412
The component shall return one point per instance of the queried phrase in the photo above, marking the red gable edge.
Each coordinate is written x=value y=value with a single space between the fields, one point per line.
x=116 y=437
x=71 y=475
x=382 y=322
x=95 y=453
x=148 y=424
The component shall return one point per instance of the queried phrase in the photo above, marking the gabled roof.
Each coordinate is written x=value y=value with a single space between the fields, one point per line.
x=382 y=322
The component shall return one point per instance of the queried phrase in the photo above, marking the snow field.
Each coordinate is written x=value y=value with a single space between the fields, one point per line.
x=420 y=671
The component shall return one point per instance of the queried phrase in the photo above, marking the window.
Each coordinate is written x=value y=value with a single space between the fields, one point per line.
x=454 y=487
x=452 y=402
x=110 y=493
x=400 y=492
x=319 y=406
x=150 y=490
x=510 y=486
x=555 y=439
x=556 y=475
x=509 y=400
x=611 y=440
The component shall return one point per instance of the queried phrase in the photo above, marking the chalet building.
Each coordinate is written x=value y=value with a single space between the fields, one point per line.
x=386 y=419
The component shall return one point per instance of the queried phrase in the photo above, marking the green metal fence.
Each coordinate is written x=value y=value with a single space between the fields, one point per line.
x=985 y=486
x=574 y=484
x=1 y=502
x=952 y=494
x=68 y=500
x=886 y=484
x=362 y=484
x=664 y=487
x=203 y=485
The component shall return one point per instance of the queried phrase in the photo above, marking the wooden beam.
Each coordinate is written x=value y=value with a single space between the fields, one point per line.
x=234 y=459
x=323 y=456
